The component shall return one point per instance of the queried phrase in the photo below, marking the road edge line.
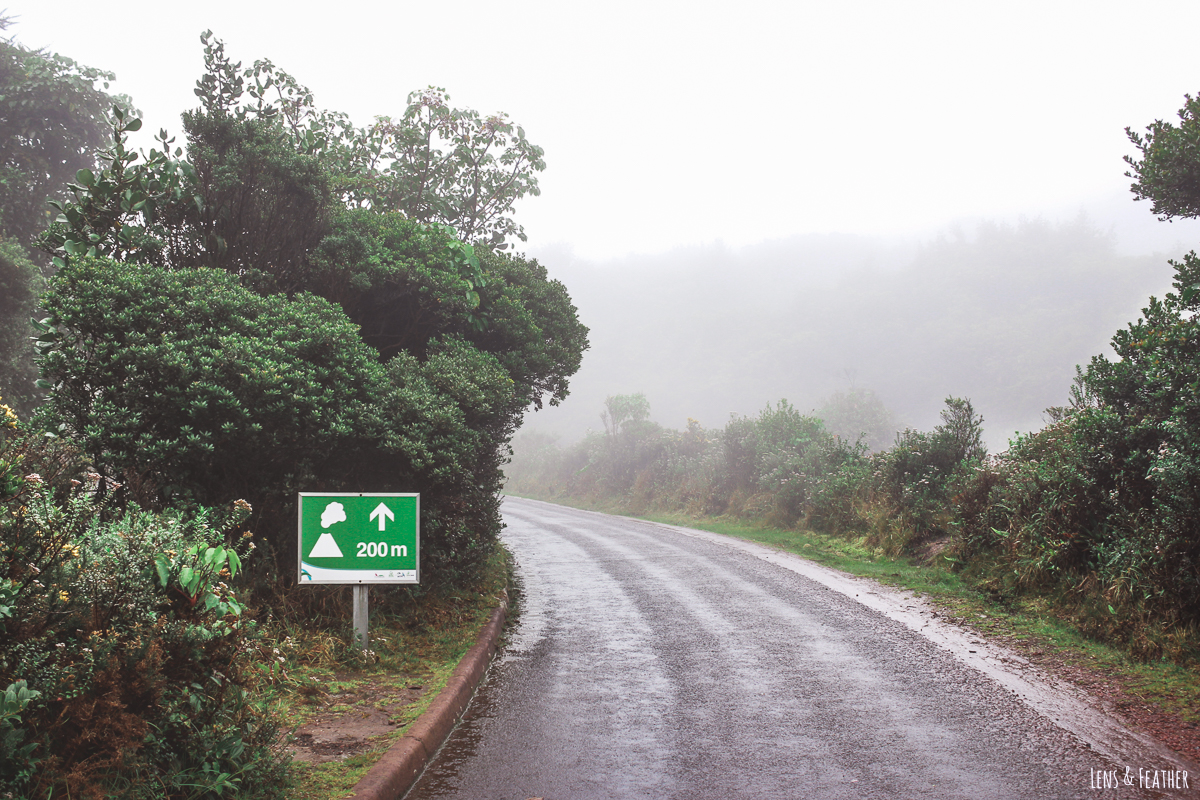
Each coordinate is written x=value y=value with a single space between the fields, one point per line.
x=398 y=769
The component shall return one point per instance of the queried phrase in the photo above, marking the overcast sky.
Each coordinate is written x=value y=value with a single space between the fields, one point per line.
x=675 y=123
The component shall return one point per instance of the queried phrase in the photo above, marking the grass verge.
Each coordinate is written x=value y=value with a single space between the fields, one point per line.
x=360 y=705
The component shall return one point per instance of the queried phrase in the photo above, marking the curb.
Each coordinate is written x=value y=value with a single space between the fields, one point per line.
x=398 y=769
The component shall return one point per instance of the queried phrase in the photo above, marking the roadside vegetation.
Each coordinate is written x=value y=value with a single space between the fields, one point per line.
x=1094 y=517
x=282 y=302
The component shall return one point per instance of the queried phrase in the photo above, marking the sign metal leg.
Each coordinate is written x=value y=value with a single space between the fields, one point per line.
x=360 y=614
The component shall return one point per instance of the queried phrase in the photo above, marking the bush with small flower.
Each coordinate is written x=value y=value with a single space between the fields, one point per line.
x=125 y=655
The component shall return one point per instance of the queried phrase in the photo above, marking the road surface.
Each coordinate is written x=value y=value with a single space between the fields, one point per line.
x=649 y=662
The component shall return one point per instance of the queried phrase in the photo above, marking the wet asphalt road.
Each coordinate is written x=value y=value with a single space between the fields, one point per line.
x=649 y=664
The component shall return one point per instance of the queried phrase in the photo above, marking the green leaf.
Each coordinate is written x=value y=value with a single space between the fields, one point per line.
x=163 y=567
x=85 y=177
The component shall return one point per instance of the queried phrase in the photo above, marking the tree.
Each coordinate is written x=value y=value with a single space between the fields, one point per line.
x=435 y=164
x=1144 y=413
x=924 y=470
x=621 y=411
x=448 y=165
x=859 y=415
x=53 y=120
x=1168 y=172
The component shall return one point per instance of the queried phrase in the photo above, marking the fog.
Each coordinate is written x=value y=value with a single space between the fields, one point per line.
x=998 y=311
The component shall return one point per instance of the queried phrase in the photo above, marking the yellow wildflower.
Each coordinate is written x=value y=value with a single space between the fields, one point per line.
x=8 y=417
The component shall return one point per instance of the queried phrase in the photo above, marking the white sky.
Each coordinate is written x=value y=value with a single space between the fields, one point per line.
x=675 y=123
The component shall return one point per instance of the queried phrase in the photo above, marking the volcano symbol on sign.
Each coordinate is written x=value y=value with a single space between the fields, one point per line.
x=326 y=547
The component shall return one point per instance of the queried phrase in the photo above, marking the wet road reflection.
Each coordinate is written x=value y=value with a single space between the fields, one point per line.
x=645 y=663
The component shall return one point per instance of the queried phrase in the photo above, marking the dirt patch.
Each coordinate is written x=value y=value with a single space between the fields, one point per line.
x=927 y=550
x=354 y=717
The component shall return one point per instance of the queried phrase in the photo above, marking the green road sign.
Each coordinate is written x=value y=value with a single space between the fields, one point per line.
x=352 y=537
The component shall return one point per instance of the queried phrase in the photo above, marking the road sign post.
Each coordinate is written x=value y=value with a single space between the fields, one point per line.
x=359 y=538
x=360 y=614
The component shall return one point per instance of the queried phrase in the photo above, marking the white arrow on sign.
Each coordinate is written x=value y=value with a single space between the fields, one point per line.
x=384 y=513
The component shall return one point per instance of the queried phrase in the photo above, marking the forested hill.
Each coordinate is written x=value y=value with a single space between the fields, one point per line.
x=1000 y=313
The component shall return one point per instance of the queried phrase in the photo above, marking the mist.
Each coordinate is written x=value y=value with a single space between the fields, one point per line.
x=1000 y=312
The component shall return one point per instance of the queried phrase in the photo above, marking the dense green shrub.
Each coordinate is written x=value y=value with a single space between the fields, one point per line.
x=436 y=427
x=253 y=336
x=125 y=660
x=1035 y=508
x=527 y=321
x=791 y=457
x=1104 y=503
x=922 y=472
x=837 y=503
x=185 y=387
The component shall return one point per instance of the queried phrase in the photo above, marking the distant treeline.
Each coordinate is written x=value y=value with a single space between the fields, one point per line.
x=1000 y=313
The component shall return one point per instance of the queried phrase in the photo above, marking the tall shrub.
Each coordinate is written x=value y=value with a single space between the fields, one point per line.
x=126 y=663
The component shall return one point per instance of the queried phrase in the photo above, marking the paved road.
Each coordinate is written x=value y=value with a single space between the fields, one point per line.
x=647 y=663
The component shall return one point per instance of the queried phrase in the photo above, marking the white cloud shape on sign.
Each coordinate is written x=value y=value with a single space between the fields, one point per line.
x=334 y=512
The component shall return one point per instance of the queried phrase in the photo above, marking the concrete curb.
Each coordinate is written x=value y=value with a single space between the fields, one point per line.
x=403 y=763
